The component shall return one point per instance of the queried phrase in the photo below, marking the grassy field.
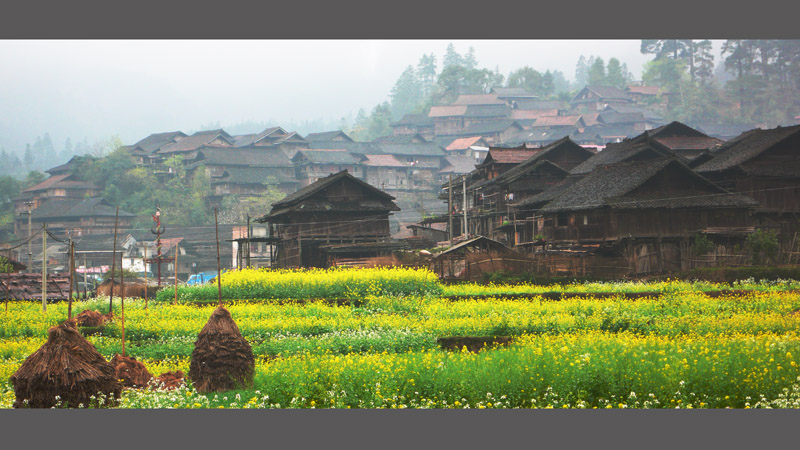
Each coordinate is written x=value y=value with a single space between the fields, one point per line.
x=680 y=348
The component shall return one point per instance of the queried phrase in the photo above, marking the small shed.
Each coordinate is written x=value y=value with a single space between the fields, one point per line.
x=454 y=262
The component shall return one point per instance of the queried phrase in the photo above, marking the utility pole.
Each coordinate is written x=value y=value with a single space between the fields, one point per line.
x=85 y=283
x=450 y=207
x=248 y=240
x=44 y=267
x=219 y=269
x=464 y=187
x=176 y=274
x=29 y=204
x=113 y=264
x=71 y=276
x=144 y=250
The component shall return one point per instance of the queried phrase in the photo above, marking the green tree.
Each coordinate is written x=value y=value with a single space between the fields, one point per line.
x=33 y=178
x=406 y=94
x=452 y=57
x=582 y=71
x=615 y=76
x=28 y=158
x=426 y=74
x=469 y=60
x=597 y=73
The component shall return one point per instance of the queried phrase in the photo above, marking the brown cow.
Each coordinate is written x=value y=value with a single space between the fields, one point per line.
x=132 y=289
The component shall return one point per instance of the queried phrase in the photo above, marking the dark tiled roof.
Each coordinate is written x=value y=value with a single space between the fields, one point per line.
x=328 y=136
x=502 y=92
x=510 y=155
x=539 y=104
x=488 y=111
x=609 y=92
x=251 y=175
x=484 y=128
x=157 y=140
x=381 y=201
x=542 y=198
x=614 y=117
x=415 y=120
x=621 y=152
x=195 y=141
x=67 y=167
x=415 y=138
x=90 y=207
x=536 y=137
x=747 y=147
x=324 y=157
x=423 y=149
x=253 y=156
x=611 y=185
x=538 y=157
x=725 y=131
x=557 y=121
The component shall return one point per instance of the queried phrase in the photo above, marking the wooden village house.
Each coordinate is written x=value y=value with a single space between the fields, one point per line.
x=335 y=220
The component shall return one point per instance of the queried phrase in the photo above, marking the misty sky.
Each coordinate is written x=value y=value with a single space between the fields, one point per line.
x=96 y=89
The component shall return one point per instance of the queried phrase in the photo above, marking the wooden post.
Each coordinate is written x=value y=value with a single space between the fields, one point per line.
x=248 y=241
x=122 y=300
x=176 y=274
x=71 y=278
x=219 y=268
x=450 y=207
x=144 y=250
x=113 y=264
x=44 y=267
x=8 y=282
x=464 y=184
x=85 y=269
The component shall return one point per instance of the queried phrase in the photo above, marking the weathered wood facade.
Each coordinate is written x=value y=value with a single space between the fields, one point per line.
x=336 y=216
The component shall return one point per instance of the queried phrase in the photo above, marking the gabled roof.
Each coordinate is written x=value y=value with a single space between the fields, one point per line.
x=155 y=141
x=535 y=136
x=67 y=167
x=516 y=155
x=609 y=92
x=558 y=121
x=616 y=118
x=644 y=90
x=447 y=111
x=538 y=157
x=479 y=99
x=324 y=156
x=538 y=104
x=197 y=140
x=416 y=120
x=621 y=152
x=527 y=114
x=248 y=156
x=422 y=149
x=48 y=183
x=488 y=111
x=382 y=161
x=610 y=186
x=88 y=207
x=414 y=138
x=724 y=131
x=487 y=128
x=303 y=198
x=746 y=147
x=672 y=129
x=336 y=135
x=464 y=143
x=250 y=175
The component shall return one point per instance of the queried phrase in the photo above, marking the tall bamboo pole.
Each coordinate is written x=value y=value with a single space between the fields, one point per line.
x=122 y=300
x=71 y=277
x=176 y=274
x=44 y=267
x=219 y=268
x=113 y=264
x=144 y=249
x=450 y=207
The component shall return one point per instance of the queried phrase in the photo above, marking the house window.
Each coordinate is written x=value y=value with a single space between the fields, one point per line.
x=585 y=219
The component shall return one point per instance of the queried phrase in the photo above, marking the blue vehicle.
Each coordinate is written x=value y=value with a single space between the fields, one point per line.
x=201 y=278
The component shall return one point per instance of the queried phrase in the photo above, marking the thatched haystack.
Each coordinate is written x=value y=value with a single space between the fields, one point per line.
x=89 y=318
x=67 y=366
x=222 y=359
x=169 y=380
x=132 y=372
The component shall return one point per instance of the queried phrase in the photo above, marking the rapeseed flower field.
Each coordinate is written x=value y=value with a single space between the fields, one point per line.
x=677 y=348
